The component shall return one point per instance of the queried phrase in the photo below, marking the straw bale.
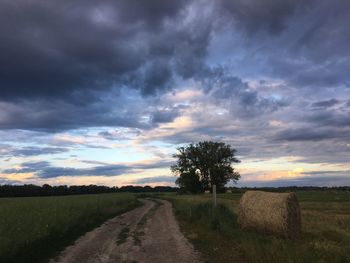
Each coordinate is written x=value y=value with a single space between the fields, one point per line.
x=273 y=213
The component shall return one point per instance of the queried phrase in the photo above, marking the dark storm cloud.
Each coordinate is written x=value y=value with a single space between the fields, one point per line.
x=44 y=169
x=60 y=60
x=63 y=48
x=49 y=116
x=269 y=15
x=66 y=49
x=156 y=77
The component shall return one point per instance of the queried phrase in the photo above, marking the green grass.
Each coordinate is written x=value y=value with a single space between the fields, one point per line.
x=33 y=229
x=214 y=232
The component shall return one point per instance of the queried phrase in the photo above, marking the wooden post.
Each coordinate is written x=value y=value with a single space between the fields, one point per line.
x=214 y=194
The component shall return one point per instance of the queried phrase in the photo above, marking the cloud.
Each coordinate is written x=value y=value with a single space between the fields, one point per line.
x=243 y=100
x=268 y=77
x=330 y=118
x=59 y=115
x=165 y=115
x=119 y=134
x=4 y=180
x=89 y=47
x=303 y=44
x=34 y=151
x=311 y=134
x=332 y=180
x=79 y=75
x=268 y=15
x=155 y=179
x=44 y=169
x=328 y=173
x=325 y=103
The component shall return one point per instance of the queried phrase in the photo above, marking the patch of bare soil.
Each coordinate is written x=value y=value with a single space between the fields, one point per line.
x=146 y=234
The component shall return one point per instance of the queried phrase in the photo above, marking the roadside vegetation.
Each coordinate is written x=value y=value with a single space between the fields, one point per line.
x=33 y=229
x=215 y=233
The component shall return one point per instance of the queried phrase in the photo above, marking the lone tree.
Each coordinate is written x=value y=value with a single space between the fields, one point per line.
x=201 y=165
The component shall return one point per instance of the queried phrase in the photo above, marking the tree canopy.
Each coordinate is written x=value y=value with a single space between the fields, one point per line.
x=207 y=163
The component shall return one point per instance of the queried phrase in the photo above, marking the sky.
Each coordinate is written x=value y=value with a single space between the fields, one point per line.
x=103 y=92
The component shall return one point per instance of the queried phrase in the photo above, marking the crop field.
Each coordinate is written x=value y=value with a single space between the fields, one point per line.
x=215 y=233
x=33 y=229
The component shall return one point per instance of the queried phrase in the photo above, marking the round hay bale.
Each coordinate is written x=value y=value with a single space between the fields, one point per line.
x=273 y=213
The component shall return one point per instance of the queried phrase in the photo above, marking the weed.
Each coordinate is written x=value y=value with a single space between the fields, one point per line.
x=137 y=235
x=123 y=235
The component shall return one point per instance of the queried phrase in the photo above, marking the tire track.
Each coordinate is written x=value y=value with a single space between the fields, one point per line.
x=148 y=234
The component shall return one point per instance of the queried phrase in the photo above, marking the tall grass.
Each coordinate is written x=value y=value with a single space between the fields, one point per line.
x=214 y=231
x=33 y=229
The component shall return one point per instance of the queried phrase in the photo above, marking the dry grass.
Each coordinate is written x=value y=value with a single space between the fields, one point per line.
x=325 y=233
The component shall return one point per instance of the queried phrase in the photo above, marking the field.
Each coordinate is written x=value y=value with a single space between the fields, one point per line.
x=36 y=228
x=214 y=232
x=32 y=229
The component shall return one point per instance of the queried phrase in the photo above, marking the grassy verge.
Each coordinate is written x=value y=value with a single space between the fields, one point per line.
x=35 y=229
x=214 y=232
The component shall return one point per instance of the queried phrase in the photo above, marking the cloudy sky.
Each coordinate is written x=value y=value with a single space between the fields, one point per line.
x=103 y=92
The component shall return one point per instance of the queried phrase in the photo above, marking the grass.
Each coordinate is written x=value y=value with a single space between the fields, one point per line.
x=33 y=229
x=214 y=231
x=123 y=235
x=138 y=233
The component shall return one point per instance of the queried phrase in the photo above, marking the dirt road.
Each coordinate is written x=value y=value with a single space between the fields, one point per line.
x=146 y=234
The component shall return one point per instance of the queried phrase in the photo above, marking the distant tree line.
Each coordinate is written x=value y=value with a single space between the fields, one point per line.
x=48 y=190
